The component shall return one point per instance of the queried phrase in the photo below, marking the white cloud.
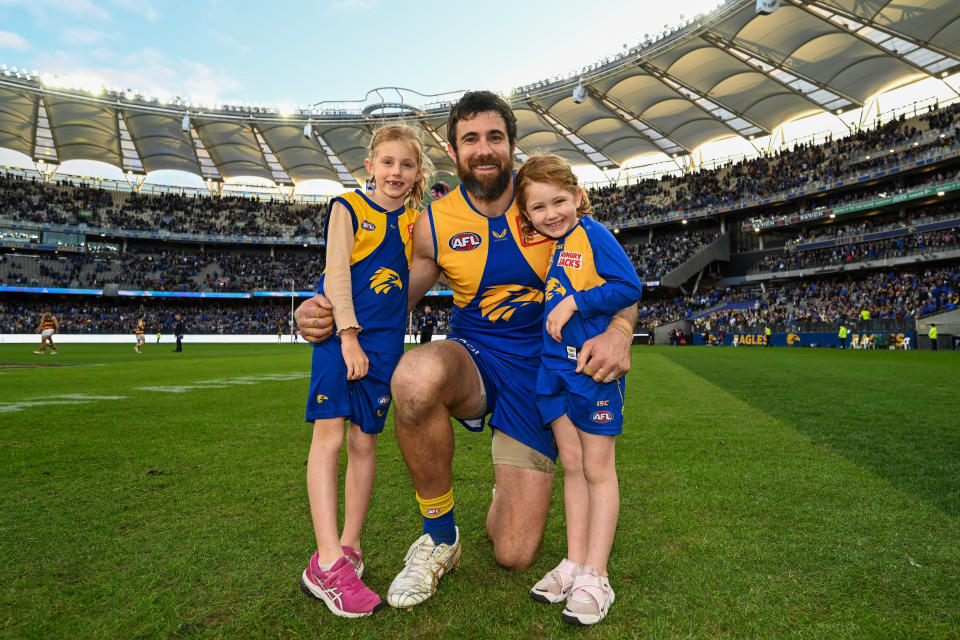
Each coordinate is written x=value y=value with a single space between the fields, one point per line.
x=53 y=11
x=229 y=41
x=84 y=36
x=143 y=7
x=10 y=40
x=147 y=70
x=354 y=5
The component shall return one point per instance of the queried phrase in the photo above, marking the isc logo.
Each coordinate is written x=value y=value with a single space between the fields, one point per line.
x=366 y=225
x=570 y=259
x=601 y=416
x=465 y=241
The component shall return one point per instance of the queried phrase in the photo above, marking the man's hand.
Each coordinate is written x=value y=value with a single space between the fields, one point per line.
x=605 y=357
x=314 y=317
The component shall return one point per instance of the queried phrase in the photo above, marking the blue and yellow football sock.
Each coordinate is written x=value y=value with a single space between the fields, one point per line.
x=438 y=518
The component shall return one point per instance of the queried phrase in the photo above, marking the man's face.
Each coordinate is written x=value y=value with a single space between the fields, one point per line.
x=426 y=309
x=484 y=155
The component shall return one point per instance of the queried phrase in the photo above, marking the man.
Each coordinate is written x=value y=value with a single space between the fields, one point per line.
x=178 y=332
x=932 y=334
x=439 y=190
x=427 y=324
x=138 y=332
x=488 y=363
x=842 y=334
x=48 y=327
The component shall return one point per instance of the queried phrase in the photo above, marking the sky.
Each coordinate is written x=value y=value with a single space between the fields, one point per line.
x=304 y=52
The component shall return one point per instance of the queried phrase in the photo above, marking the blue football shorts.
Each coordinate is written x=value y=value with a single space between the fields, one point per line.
x=592 y=407
x=510 y=382
x=364 y=402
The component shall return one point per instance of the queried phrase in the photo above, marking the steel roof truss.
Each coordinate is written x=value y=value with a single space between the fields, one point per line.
x=738 y=122
x=277 y=170
x=129 y=154
x=802 y=85
x=660 y=140
x=596 y=157
x=208 y=169
x=922 y=55
x=346 y=178
x=45 y=146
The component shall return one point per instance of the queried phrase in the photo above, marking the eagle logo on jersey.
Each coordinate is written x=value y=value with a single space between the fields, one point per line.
x=554 y=288
x=499 y=303
x=384 y=280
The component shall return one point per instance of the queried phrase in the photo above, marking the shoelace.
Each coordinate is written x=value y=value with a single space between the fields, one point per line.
x=418 y=569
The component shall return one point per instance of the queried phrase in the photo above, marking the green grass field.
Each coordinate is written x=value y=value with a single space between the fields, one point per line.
x=766 y=493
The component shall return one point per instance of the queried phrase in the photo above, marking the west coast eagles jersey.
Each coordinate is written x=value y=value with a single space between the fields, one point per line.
x=379 y=270
x=590 y=265
x=496 y=274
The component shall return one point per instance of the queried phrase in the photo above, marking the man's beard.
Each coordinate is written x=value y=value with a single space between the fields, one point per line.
x=487 y=188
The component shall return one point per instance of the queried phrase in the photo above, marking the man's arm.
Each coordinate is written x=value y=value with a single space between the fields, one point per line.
x=423 y=268
x=606 y=357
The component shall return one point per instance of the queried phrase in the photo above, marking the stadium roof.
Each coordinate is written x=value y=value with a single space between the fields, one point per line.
x=728 y=73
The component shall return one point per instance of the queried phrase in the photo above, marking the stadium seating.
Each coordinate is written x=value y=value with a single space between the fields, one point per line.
x=815 y=232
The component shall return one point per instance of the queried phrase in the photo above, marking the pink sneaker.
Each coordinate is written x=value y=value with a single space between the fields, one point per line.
x=356 y=557
x=340 y=589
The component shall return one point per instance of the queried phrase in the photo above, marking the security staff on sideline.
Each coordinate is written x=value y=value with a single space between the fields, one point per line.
x=933 y=336
x=843 y=336
x=178 y=331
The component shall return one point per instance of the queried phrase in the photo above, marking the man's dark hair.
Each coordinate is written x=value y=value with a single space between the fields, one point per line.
x=476 y=102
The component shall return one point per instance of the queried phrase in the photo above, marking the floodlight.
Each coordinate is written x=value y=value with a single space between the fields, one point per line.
x=307 y=129
x=580 y=93
x=185 y=125
x=766 y=7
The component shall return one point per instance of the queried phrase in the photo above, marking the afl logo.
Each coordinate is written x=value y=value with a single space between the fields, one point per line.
x=465 y=241
x=601 y=416
x=366 y=225
x=383 y=401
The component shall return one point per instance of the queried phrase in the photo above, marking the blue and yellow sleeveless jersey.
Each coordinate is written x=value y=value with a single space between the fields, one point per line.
x=496 y=273
x=589 y=264
x=379 y=270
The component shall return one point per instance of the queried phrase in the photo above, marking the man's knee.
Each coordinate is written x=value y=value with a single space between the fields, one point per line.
x=516 y=554
x=417 y=375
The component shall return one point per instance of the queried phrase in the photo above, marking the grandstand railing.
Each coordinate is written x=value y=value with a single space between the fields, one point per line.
x=160 y=235
x=924 y=255
x=809 y=189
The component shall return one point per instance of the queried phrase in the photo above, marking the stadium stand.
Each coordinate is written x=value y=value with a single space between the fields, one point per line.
x=810 y=235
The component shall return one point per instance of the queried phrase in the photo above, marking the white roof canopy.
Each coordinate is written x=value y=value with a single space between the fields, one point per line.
x=731 y=72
